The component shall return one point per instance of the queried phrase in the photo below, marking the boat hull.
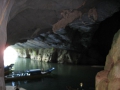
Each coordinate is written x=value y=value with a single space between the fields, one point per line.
x=27 y=77
x=8 y=72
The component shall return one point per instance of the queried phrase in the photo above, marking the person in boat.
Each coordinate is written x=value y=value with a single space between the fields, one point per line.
x=17 y=87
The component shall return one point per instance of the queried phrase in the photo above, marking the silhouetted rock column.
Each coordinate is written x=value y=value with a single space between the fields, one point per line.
x=5 y=6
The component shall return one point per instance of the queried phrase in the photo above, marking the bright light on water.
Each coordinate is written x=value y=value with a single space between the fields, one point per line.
x=10 y=56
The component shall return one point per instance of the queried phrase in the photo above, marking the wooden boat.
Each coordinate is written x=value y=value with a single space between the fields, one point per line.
x=8 y=69
x=8 y=72
x=29 y=74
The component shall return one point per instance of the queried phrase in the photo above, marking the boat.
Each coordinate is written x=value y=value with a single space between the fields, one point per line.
x=39 y=71
x=8 y=72
x=8 y=69
x=29 y=74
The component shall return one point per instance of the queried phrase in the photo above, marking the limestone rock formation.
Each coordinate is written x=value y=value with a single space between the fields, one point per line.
x=111 y=73
x=50 y=55
x=69 y=25
x=5 y=7
x=74 y=28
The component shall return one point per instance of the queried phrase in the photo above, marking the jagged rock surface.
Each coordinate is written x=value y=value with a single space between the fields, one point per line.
x=50 y=55
x=69 y=25
x=110 y=76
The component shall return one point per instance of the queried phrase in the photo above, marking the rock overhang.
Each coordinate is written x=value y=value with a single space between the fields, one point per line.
x=66 y=24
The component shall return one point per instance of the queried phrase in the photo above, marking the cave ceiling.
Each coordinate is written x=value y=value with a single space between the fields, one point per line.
x=77 y=25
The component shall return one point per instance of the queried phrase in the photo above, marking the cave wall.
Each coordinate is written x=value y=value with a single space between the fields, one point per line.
x=109 y=78
x=53 y=55
x=70 y=28
x=5 y=7
x=62 y=54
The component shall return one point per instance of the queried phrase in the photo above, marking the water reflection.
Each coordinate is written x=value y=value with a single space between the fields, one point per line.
x=13 y=83
x=24 y=64
x=66 y=75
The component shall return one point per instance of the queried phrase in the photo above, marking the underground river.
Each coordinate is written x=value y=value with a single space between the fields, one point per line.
x=65 y=75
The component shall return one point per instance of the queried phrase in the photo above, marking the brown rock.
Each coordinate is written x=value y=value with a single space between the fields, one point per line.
x=109 y=63
x=115 y=52
x=114 y=84
x=68 y=17
x=115 y=71
x=103 y=84
x=102 y=75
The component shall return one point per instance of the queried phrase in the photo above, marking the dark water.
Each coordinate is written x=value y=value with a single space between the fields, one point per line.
x=65 y=75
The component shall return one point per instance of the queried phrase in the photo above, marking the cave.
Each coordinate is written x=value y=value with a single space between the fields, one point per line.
x=73 y=32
